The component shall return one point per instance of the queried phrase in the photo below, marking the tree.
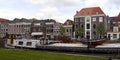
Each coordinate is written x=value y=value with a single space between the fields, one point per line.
x=62 y=37
x=100 y=30
x=62 y=31
x=80 y=32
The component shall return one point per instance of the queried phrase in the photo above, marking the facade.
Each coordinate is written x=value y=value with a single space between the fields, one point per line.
x=56 y=28
x=68 y=25
x=89 y=19
x=114 y=32
x=19 y=27
x=3 y=27
x=49 y=28
x=38 y=29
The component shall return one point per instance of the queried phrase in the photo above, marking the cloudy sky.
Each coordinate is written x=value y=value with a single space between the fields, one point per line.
x=55 y=9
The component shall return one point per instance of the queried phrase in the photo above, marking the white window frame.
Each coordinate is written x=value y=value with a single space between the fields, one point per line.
x=100 y=19
x=94 y=19
x=115 y=36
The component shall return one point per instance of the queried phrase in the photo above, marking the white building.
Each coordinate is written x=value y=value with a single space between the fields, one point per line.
x=68 y=25
x=56 y=29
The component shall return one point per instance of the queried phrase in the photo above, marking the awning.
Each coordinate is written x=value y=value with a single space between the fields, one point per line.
x=37 y=33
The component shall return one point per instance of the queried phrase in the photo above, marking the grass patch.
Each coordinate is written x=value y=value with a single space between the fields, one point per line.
x=8 y=54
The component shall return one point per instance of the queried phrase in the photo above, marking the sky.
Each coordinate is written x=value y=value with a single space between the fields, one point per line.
x=60 y=10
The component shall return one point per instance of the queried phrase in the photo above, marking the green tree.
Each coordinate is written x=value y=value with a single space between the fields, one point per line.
x=80 y=32
x=101 y=30
x=62 y=31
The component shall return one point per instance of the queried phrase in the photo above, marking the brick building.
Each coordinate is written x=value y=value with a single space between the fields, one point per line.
x=3 y=27
x=68 y=25
x=114 y=32
x=89 y=19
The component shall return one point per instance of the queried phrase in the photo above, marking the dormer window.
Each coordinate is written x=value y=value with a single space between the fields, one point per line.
x=96 y=13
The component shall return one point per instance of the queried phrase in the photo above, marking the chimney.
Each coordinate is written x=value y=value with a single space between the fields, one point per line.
x=76 y=11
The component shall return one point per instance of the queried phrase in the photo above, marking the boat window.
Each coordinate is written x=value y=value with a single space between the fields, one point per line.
x=29 y=43
x=20 y=43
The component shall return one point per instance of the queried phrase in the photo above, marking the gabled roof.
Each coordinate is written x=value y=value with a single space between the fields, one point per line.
x=68 y=22
x=89 y=11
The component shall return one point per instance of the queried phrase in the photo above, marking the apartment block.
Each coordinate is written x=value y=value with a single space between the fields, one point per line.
x=49 y=28
x=89 y=19
x=38 y=29
x=19 y=27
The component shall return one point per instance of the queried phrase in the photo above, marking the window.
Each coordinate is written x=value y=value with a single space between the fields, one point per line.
x=119 y=35
x=76 y=25
x=115 y=29
x=114 y=35
x=109 y=36
x=94 y=26
x=70 y=30
x=88 y=26
x=29 y=43
x=88 y=19
x=82 y=26
x=20 y=43
x=6 y=29
x=76 y=19
x=94 y=19
x=100 y=19
x=67 y=30
x=88 y=32
x=94 y=33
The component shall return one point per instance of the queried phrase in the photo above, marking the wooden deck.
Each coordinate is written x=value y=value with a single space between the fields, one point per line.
x=94 y=43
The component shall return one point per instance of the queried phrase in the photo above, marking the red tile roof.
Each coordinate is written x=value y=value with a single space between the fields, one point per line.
x=113 y=18
x=2 y=20
x=89 y=11
x=116 y=18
